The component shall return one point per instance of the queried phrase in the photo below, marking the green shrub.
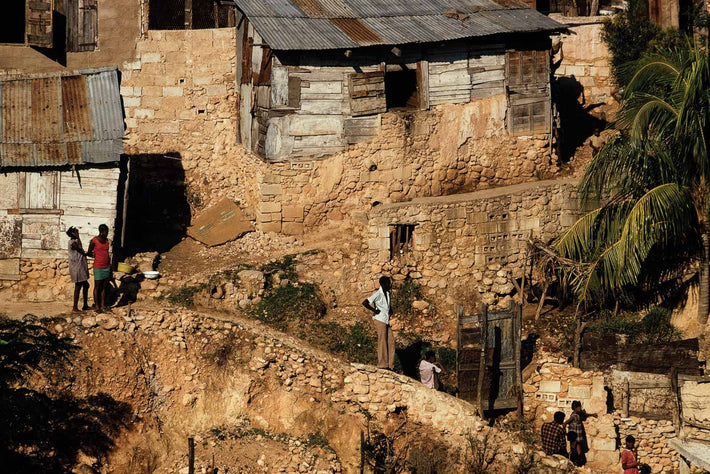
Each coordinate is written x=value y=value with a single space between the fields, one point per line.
x=628 y=34
x=654 y=328
x=286 y=265
x=293 y=302
x=185 y=296
x=354 y=342
x=405 y=295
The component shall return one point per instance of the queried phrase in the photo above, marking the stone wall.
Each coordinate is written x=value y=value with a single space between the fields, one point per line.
x=473 y=241
x=180 y=100
x=586 y=57
x=552 y=386
x=447 y=150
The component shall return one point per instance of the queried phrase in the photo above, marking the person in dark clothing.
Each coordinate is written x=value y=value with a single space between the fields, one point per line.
x=553 y=436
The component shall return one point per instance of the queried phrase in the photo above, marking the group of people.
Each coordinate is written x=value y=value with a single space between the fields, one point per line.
x=79 y=268
x=554 y=439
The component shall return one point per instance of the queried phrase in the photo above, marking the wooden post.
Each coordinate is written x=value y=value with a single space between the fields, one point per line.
x=459 y=315
x=677 y=418
x=216 y=14
x=517 y=330
x=484 y=350
x=543 y=297
x=191 y=455
x=625 y=399
x=362 y=452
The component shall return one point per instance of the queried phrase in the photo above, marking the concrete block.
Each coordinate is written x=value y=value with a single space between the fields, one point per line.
x=131 y=101
x=550 y=386
x=292 y=228
x=293 y=213
x=172 y=91
x=154 y=91
x=604 y=444
x=151 y=57
x=143 y=113
x=577 y=392
x=378 y=244
x=271 y=189
x=218 y=89
x=271 y=227
x=266 y=207
x=202 y=80
x=270 y=217
x=132 y=65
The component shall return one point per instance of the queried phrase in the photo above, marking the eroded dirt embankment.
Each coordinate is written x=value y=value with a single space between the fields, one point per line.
x=254 y=399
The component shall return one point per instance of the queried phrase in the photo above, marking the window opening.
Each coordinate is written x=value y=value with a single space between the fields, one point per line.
x=12 y=22
x=401 y=239
x=189 y=14
x=401 y=88
x=39 y=190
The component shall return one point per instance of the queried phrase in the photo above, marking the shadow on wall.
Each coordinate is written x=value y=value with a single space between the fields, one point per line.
x=576 y=123
x=157 y=211
x=43 y=432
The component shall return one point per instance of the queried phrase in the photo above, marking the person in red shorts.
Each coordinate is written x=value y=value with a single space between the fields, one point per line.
x=628 y=457
x=99 y=249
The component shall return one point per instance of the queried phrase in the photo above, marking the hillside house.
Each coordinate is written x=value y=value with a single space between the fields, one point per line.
x=315 y=77
x=60 y=144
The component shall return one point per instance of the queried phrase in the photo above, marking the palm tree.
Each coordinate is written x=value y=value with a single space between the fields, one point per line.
x=653 y=178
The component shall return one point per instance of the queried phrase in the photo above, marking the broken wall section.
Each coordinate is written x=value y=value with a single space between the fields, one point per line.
x=447 y=150
x=470 y=246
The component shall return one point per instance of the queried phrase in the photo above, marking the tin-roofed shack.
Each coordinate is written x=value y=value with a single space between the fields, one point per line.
x=60 y=144
x=315 y=76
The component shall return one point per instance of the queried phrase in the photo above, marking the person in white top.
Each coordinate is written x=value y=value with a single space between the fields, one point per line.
x=428 y=368
x=380 y=305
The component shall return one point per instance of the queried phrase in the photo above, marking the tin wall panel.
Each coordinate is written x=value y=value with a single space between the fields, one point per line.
x=106 y=110
x=104 y=151
x=46 y=110
x=75 y=109
x=17 y=154
x=74 y=153
x=17 y=112
x=50 y=154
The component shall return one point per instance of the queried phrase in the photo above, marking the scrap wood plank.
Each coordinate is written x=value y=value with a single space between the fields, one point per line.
x=220 y=223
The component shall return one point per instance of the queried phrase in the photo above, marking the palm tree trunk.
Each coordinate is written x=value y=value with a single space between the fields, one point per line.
x=704 y=290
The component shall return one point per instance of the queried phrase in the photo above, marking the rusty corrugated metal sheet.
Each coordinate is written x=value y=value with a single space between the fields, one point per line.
x=62 y=118
x=17 y=112
x=46 y=110
x=302 y=25
x=357 y=30
x=75 y=108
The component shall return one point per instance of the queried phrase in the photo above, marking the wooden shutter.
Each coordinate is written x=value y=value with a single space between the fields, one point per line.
x=39 y=190
x=367 y=93
x=82 y=25
x=38 y=23
x=529 y=115
x=527 y=68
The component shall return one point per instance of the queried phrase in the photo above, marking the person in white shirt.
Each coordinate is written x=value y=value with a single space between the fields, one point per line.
x=428 y=368
x=380 y=305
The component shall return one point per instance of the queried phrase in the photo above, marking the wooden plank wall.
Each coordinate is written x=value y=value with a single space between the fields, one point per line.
x=305 y=111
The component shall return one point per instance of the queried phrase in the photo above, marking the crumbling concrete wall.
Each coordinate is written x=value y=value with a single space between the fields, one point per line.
x=447 y=150
x=553 y=386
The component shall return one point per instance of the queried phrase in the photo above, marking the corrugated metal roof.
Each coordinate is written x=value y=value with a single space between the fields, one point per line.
x=59 y=119
x=323 y=24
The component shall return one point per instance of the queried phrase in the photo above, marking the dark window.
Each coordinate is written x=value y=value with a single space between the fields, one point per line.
x=401 y=239
x=189 y=14
x=401 y=88
x=12 y=22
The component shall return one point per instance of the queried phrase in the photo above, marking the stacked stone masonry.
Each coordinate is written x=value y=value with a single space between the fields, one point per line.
x=477 y=240
x=553 y=386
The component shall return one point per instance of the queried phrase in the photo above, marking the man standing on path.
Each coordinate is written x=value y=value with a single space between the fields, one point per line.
x=380 y=305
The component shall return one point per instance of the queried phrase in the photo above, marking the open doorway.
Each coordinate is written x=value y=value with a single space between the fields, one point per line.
x=12 y=24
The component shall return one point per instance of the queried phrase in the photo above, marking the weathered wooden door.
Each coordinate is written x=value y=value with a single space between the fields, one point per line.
x=494 y=347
